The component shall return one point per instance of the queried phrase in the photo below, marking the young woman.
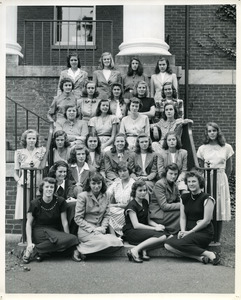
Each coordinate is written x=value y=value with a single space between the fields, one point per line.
x=75 y=129
x=148 y=104
x=134 y=74
x=58 y=106
x=119 y=194
x=119 y=152
x=104 y=124
x=196 y=232
x=92 y=214
x=170 y=122
x=163 y=73
x=169 y=94
x=216 y=153
x=61 y=146
x=79 y=167
x=143 y=162
x=31 y=153
x=106 y=76
x=74 y=72
x=172 y=153
x=135 y=123
x=165 y=200
x=118 y=105
x=47 y=228
x=87 y=104
x=96 y=157
x=139 y=230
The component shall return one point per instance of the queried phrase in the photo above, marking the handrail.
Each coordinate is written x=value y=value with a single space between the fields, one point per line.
x=48 y=146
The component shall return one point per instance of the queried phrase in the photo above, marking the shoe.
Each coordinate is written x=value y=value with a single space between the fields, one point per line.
x=75 y=257
x=132 y=257
x=27 y=255
x=205 y=260
x=26 y=260
x=216 y=261
x=145 y=257
x=39 y=258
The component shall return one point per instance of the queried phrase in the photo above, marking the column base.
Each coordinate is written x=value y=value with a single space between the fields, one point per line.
x=13 y=52
x=144 y=46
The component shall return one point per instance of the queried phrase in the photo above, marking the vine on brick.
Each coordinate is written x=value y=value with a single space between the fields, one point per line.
x=227 y=12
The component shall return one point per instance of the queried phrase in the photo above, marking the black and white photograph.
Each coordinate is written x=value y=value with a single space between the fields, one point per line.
x=120 y=160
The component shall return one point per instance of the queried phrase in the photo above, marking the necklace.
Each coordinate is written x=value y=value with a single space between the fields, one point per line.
x=52 y=207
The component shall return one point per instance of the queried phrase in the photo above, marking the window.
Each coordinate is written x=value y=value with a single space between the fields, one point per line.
x=75 y=27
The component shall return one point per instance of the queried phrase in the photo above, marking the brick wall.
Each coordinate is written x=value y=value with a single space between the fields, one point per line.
x=42 y=42
x=203 y=23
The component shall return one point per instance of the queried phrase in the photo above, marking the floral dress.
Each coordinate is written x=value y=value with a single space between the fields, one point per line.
x=23 y=158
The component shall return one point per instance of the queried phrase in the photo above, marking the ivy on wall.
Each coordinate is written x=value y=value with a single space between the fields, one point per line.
x=220 y=42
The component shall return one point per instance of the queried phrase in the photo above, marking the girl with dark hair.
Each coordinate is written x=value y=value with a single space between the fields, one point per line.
x=134 y=123
x=104 y=124
x=216 y=153
x=74 y=72
x=76 y=129
x=163 y=73
x=148 y=104
x=196 y=212
x=61 y=146
x=119 y=194
x=47 y=228
x=172 y=153
x=31 y=153
x=169 y=94
x=143 y=163
x=59 y=104
x=92 y=214
x=119 y=152
x=79 y=167
x=118 y=105
x=169 y=122
x=96 y=157
x=165 y=200
x=88 y=103
x=134 y=74
x=106 y=76
x=139 y=230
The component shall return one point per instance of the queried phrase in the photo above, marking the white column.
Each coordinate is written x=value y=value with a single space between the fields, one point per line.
x=12 y=47
x=144 y=29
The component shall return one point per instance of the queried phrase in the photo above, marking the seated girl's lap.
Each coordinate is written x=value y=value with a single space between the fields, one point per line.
x=139 y=235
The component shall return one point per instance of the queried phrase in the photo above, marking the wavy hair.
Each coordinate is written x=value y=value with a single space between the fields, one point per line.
x=24 y=137
x=135 y=101
x=112 y=64
x=172 y=167
x=95 y=135
x=174 y=91
x=113 y=148
x=137 y=146
x=75 y=55
x=84 y=90
x=69 y=106
x=99 y=112
x=139 y=70
x=175 y=110
x=72 y=157
x=196 y=174
x=46 y=179
x=135 y=186
x=95 y=176
x=60 y=133
x=54 y=168
x=121 y=98
x=135 y=93
x=64 y=80
x=168 y=69
x=220 y=137
x=178 y=139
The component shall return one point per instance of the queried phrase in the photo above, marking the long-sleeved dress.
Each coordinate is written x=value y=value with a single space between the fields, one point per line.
x=196 y=242
x=164 y=205
x=157 y=82
x=90 y=213
x=217 y=156
x=130 y=81
x=22 y=159
x=47 y=232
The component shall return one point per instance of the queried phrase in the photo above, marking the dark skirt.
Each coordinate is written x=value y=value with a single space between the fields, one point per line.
x=49 y=240
x=136 y=236
x=171 y=221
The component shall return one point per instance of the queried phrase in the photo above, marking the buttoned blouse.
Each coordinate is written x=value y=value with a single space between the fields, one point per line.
x=102 y=126
x=77 y=128
x=92 y=212
x=87 y=108
x=130 y=81
x=132 y=127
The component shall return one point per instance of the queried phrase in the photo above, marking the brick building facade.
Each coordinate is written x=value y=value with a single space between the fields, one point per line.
x=209 y=99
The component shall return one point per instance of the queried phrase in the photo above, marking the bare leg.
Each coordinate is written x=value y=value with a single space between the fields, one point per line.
x=112 y=231
x=173 y=250
x=149 y=243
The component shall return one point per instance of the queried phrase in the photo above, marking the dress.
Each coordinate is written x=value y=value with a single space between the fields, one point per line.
x=92 y=212
x=22 y=159
x=47 y=231
x=104 y=86
x=157 y=81
x=130 y=81
x=132 y=128
x=197 y=242
x=164 y=205
x=166 y=126
x=136 y=236
x=103 y=126
x=77 y=129
x=59 y=105
x=147 y=103
x=79 y=80
x=121 y=195
x=63 y=156
x=217 y=156
x=87 y=108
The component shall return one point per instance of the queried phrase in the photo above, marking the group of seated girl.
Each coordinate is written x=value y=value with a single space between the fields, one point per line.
x=118 y=172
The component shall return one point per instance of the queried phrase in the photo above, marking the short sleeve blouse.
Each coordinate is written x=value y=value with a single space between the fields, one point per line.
x=141 y=213
x=103 y=128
